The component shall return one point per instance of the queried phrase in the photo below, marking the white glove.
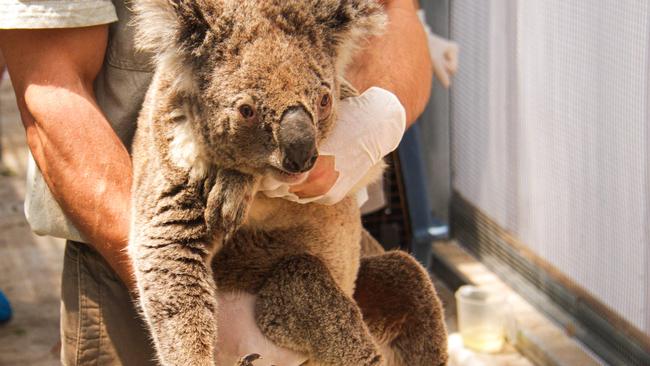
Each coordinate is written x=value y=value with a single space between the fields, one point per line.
x=369 y=127
x=444 y=54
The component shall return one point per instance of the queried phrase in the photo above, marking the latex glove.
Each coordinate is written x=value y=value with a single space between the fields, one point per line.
x=369 y=127
x=444 y=54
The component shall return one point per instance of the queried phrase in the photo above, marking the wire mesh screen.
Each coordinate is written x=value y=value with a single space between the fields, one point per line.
x=550 y=131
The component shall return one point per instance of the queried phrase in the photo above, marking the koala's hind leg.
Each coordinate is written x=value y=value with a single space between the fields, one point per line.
x=301 y=308
x=402 y=310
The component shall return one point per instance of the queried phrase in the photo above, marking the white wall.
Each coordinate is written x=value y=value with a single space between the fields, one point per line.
x=550 y=133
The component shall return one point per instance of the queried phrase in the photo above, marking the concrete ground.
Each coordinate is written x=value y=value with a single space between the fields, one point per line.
x=30 y=266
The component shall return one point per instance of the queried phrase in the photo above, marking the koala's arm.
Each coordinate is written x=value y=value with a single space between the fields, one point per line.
x=179 y=222
x=398 y=60
x=52 y=71
x=175 y=235
x=176 y=293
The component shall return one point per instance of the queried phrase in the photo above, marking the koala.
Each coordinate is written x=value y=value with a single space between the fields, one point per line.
x=243 y=90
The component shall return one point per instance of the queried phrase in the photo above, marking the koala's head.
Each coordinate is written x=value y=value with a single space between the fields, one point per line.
x=264 y=76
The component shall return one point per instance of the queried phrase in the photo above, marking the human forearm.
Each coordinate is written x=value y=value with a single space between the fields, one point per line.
x=398 y=60
x=83 y=162
x=87 y=168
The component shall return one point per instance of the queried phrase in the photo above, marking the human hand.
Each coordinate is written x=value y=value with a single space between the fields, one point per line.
x=320 y=179
x=444 y=58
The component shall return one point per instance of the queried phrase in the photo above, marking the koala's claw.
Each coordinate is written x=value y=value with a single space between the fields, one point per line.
x=248 y=359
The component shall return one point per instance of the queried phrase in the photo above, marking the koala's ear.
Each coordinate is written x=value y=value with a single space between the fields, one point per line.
x=353 y=18
x=346 y=89
x=175 y=25
x=349 y=22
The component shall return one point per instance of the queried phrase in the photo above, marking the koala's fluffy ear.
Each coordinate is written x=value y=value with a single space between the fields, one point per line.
x=346 y=89
x=351 y=18
x=175 y=25
x=349 y=22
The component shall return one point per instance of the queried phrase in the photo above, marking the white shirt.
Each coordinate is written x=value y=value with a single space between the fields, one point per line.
x=35 y=14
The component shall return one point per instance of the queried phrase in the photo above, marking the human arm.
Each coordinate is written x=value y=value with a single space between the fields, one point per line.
x=85 y=165
x=398 y=60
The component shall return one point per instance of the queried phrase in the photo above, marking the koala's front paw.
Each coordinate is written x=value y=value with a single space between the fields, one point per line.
x=228 y=201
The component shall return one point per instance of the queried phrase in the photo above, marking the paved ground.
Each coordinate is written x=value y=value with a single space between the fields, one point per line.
x=30 y=266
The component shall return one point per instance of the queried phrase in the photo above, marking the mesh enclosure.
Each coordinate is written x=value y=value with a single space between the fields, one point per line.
x=550 y=129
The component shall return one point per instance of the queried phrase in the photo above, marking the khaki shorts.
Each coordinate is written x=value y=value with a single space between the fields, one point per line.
x=99 y=323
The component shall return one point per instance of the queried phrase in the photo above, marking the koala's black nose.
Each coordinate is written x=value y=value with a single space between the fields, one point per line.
x=297 y=137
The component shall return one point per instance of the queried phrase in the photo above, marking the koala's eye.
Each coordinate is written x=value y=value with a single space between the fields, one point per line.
x=247 y=111
x=324 y=106
x=325 y=100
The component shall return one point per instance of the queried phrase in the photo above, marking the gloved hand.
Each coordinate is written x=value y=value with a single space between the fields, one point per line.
x=444 y=54
x=369 y=127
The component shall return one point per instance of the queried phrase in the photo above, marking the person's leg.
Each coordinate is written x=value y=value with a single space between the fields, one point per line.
x=99 y=323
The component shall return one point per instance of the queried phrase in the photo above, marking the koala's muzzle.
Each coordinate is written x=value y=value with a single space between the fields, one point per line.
x=297 y=138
